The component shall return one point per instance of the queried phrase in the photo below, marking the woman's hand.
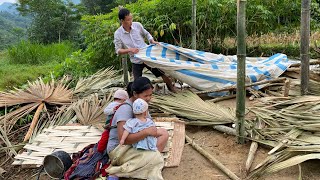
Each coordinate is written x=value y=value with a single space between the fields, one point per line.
x=151 y=131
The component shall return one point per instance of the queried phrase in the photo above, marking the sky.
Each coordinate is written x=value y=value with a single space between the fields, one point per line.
x=12 y=1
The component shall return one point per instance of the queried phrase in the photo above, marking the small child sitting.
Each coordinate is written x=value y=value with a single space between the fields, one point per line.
x=140 y=122
x=119 y=97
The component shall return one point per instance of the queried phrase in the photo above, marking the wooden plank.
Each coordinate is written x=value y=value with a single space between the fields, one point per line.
x=178 y=141
x=72 y=127
x=28 y=157
x=81 y=139
x=17 y=163
x=73 y=131
x=37 y=148
x=60 y=145
x=167 y=119
x=71 y=134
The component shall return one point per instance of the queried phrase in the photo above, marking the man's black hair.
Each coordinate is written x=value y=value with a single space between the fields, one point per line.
x=123 y=13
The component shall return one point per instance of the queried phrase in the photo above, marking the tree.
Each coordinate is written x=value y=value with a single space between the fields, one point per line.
x=95 y=7
x=53 y=20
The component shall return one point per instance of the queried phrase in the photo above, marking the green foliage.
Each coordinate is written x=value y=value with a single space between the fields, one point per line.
x=14 y=75
x=76 y=65
x=33 y=53
x=53 y=20
x=170 y=21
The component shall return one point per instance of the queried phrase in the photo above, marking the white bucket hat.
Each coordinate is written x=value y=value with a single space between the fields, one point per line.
x=139 y=106
x=121 y=94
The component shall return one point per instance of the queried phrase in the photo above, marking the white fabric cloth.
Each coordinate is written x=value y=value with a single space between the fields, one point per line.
x=208 y=71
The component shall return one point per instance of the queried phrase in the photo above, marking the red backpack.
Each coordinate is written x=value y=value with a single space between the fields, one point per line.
x=99 y=164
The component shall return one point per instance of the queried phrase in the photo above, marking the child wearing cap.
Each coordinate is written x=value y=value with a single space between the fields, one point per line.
x=119 y=97
x=140 y=122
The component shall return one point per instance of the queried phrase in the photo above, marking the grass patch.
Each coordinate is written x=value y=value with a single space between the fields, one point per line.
x=14 y=75
x=26 y=52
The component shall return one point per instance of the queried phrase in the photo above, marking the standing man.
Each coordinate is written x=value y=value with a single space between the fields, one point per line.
x=128 y=38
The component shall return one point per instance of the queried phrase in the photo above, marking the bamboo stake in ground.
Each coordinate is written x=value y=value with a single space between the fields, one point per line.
x=34 y=122
x=241 y=68
x=304 y=46
x=213 y=160
x=194 y=24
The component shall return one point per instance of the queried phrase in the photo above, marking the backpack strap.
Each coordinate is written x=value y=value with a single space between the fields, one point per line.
x=115 y=110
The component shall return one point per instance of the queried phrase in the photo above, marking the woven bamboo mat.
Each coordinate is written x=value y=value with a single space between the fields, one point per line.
x=72 y=139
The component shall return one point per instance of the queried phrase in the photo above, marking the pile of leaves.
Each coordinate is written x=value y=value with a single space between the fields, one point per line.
x=291 y=128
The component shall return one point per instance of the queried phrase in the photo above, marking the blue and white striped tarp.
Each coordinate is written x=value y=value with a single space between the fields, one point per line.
x=208 y=71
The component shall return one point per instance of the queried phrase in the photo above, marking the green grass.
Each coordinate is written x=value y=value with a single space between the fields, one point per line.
x=26 y=52
x=15 y=75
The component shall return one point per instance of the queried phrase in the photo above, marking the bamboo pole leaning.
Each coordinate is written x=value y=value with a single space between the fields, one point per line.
x=33 y=122
x=234 y=87
x=212 y=159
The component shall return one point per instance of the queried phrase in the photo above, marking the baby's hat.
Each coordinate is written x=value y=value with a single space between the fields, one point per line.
x=139 y=106
x=121 y=94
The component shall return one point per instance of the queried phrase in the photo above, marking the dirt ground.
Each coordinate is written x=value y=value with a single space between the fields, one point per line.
x=194 y=166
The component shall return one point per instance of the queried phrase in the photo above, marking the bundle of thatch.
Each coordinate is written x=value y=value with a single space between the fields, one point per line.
x=37 y=96
x=53 y=103
x=292 y=129
x=191 y=107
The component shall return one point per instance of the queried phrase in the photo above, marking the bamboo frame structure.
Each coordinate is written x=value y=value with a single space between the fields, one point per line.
x=304 y=46
x=241 y=69
x=194 y=24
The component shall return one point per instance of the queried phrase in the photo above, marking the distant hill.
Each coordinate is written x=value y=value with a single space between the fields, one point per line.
x=8 y=7
x=12 y=28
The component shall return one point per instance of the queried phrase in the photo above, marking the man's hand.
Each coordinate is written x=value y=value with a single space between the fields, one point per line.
x=134 y=50
x=154 y=42
x=151 y=131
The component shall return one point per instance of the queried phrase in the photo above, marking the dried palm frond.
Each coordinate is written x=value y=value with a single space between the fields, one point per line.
x=5 y=139
x=89 y=111
x=100 y=82
x=294 y=124
x=36 y=95
x=192 y=107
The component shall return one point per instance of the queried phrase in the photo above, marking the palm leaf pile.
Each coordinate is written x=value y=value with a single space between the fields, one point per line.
x=292 y=129
x=36 y=96
x=314 y=87
x=191 y=107
x=100 y=82
x=89 y=111
x=53 y=103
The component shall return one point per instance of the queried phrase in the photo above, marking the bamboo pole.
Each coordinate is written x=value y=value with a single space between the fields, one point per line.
x=304 y=46
x=194 y=24
x=213 y=160
x=222 y=98
x=241 y=69
x=225 y=129
x=282 y=79
x=34 y=122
